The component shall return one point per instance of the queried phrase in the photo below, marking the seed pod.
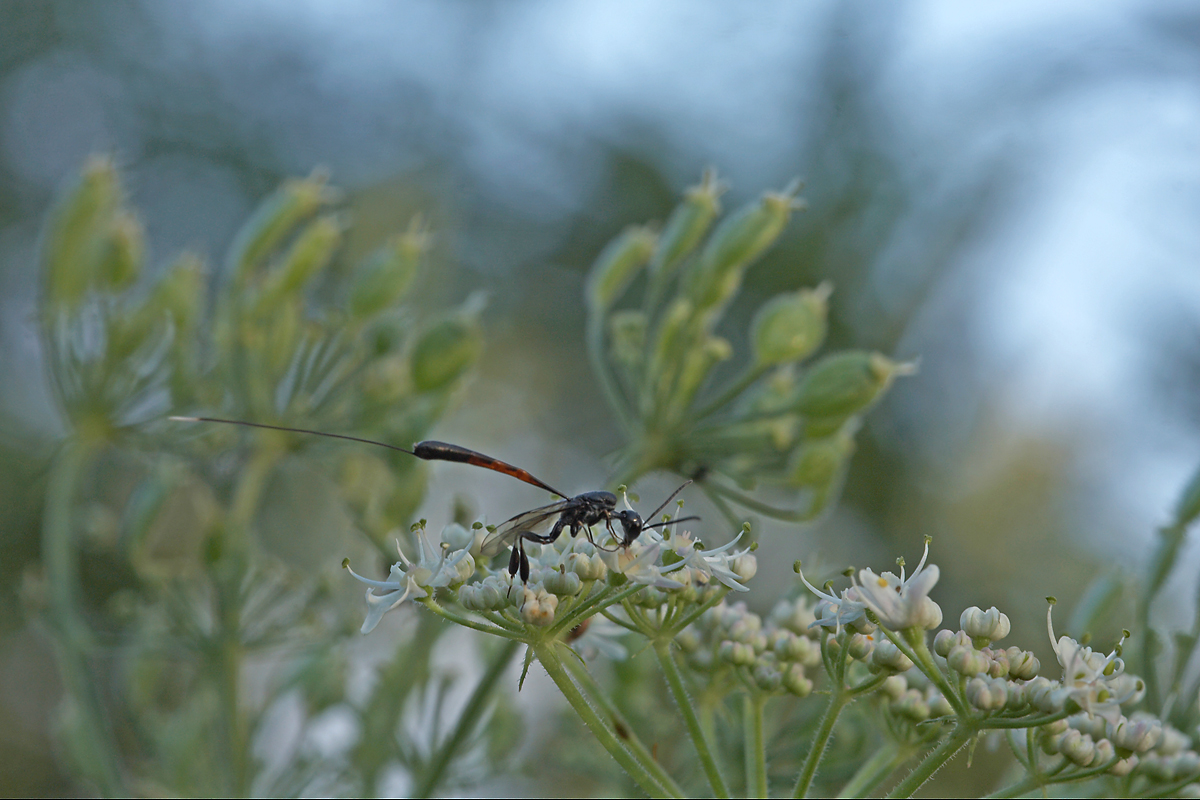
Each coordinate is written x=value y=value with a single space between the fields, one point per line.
x=444 y=352
x=80 y=233
x=121 y=262
x=180 y=292
x=273 y=220
x=387 y=275
x=842 y=385
x=627 y=329
x=819 y=463
x=617 y=265
x=790 y=327
x=687 y=225
x=736 y=243
x=308 y=255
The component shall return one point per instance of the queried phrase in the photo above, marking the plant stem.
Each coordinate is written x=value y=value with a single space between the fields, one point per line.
x=875 y=770
x=640 y=772
x=662 y=649
x=755 y=745
x=467 y=720
x=933 y=762
x=838 y=698
x=585 y=679
x=736 y=388
x=787 y=515
x=608 y=384
x=467 y=622
x=73 y=640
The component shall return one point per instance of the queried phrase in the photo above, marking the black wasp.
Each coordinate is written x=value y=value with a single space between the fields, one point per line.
x=541 y=525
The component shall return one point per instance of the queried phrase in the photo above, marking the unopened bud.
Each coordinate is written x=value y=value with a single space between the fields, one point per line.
x=563 y=584
x=767 y=677
x=538 y=608
x=966 y=661
x=737 y=653
x=860 y=646
x=386 y=276
x=1077 y=747
x=986 y=694
x=1139 y=733
x=888 y=657
x=1022 y=664
x=444 y=352
x=795 y=681
x=617 y=265
x=984 y=626
x=791 y=326
x=912 y=706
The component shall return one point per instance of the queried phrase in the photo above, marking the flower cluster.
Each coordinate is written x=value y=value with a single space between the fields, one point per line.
x=568 y=579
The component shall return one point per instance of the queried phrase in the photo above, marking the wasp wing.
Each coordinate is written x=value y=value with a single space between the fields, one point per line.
x=537 y=520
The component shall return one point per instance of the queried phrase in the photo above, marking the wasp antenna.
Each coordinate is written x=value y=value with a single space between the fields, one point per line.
x=669 y=499
x=292 y=430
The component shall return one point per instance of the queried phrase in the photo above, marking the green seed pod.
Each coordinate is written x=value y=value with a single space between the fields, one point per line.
x=627 y=329
x=617 y=265
x=387 y=275
x=736 y=243
x=308 y=255
x=80 y=233
x=819 y=462
x=275 y=218
x=687 y=225
x=444 y=352
x=180 y=292
x=697 y=365
x=790 y=327
x=844 y=384
x=122 y=261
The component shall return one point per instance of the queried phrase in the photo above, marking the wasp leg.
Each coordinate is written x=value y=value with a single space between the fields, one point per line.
x=514 y=560
x=524 y=565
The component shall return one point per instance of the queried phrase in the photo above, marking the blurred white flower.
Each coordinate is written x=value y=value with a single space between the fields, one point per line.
x=435 y=568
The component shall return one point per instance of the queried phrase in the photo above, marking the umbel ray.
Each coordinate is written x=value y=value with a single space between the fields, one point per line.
x=542 y=525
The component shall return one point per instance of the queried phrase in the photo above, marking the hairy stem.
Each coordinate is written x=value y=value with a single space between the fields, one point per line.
x=675 y=681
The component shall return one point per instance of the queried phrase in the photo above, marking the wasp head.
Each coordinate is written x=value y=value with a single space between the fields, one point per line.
x=631 y=522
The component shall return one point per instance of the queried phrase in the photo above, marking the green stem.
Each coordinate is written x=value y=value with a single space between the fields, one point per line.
x=640 y=772
x=912 y=644
x=838 y=698
x=467 y=720
x=73 y=640
x=625 y=730
x=792 y=515
x=731 y=393
x=755 y=745
x=875 y=771
x=1023 y=786
x=933 y=762
x=467 y=622
x=608 y=384
x=662 y=649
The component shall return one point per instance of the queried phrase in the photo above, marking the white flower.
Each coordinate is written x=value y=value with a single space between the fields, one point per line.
x=901 y=603
x=1097 y=683
x=717 y=563
x=639 y=563
x=434 y=569
x=837 y=612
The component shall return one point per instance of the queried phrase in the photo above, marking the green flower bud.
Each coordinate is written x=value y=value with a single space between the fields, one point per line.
x=1022 y=664
x=860 y=646
x=767 y=677
x=1079 y=748
x=563 y=583
x=984 y=626
x=444 y=352
x=986 y=694
x=80 y=233
x=888 y=657
x=736 y=243
x=387 y=275
x=275 y=218
x=308 y=255
x=844 y=384
x=912 y=706
x=617 y=265
x=791 y=326
x=687 y=225
x=795 y=682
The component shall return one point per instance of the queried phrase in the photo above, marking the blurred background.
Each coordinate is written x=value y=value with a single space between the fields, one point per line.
x=1007 y=192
